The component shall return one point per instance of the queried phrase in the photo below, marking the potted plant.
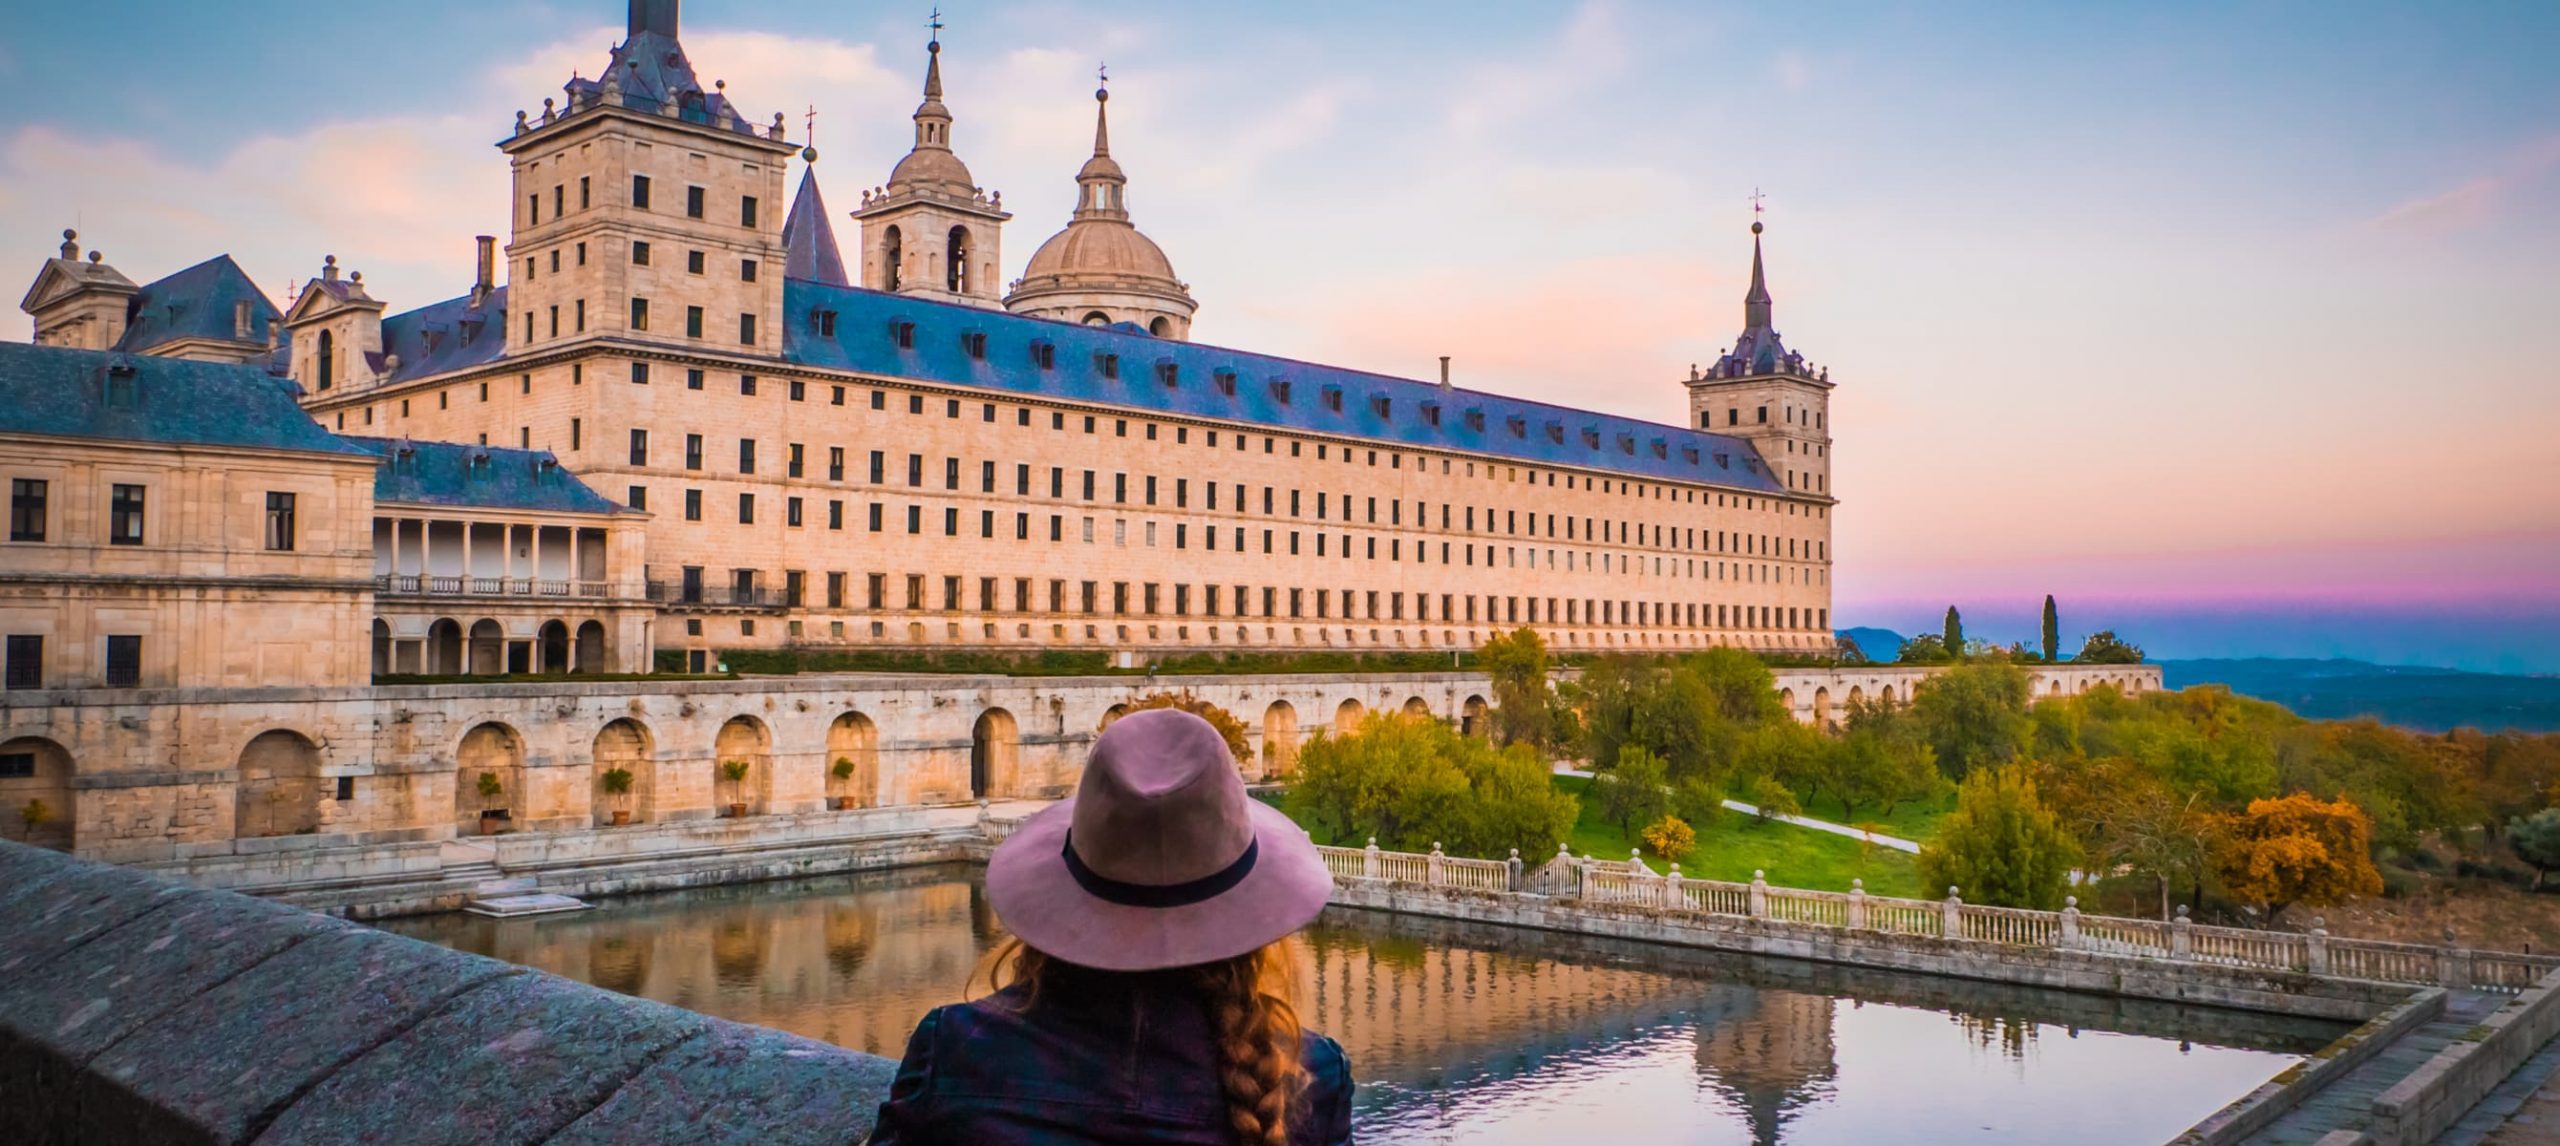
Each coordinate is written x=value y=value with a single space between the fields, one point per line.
x=841 y=770
x=35 y=815
x=617 y=784
x=735 y=772
x=491 y=818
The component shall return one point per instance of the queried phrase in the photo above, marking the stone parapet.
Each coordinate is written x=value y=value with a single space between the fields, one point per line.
x=131 y=999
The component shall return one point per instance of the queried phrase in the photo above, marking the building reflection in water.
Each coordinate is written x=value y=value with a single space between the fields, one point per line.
x=1454 y=1032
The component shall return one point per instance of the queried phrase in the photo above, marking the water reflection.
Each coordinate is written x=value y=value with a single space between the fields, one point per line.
x=1464 y=1033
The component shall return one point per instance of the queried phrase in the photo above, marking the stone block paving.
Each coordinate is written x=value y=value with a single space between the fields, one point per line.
x=2347 y=1104
x=2524 y=1110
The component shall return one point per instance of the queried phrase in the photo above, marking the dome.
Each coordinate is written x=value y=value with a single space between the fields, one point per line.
x=1100 y=248
x=932 y=169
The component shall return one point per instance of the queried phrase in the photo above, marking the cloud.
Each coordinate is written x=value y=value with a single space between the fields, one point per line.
x=2476 y=201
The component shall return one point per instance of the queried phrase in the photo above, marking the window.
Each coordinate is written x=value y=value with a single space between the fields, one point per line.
x=693 y=505
x=747 y=385
x=640 y=314
x=746 y=270
x=693 y=202
x=692 y=322
x=640 y=196
x=794 y=464
x=693 y=262
x=124 y=662
x=835 y=515
x=26 y=509
x=879 y=467
x=124 y=515
x=746 y=509
x=747 y=211
x=639 y=447
x=746 y=330
x=639 y=498
x=791 y=512
x=639 y=254
x=746 y=455
x=693 y=451
x=835 y=463
x=26 y=662
x=280 y=522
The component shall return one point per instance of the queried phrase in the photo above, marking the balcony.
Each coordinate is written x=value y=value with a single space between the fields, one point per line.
x=683 y=596
x=416 y=585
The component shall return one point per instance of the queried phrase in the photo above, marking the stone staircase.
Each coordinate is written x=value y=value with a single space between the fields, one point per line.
x=493 y=892
x=2347 y=1103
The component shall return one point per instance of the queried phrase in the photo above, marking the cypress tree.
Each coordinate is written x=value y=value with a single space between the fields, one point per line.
x=2052 y=631
x=1955 y=634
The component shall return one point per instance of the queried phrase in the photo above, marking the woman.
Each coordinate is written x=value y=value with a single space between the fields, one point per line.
x=1145 y=995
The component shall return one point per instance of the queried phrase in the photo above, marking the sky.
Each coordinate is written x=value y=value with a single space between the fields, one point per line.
x=2234 y=326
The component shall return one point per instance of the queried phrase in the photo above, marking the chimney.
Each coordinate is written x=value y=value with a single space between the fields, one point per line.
x=1444 y=375
x=488 y=273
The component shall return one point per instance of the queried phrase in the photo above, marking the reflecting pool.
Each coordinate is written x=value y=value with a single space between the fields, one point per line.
x=1462 y=1033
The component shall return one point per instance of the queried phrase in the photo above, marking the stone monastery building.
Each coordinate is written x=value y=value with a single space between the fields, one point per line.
x=670 y=417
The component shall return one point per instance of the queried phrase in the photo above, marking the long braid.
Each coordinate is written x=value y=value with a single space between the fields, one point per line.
x=1248 y=1000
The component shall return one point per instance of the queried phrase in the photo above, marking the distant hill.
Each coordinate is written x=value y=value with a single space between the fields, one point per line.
x=1880 y=645
x=2430 y=699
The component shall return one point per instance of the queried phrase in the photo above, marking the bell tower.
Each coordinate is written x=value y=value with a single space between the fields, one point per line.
x=932 y=231
x=1763 y=392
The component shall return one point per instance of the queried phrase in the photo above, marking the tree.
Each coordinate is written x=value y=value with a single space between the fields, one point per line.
x=2001 y=845
x=1743 y=689
x=2298 y=849
x=2052 y=631
x=1412 y=783
x=1635 y=790
x=2537 y=841
x=2104 y=648
x=1954 y=635
x=1672 y=710
x=1669 y=838
x=1879 y=759
x=1924 y=649
x=1974 y=715
x=1229 y=728
x=1523 y=702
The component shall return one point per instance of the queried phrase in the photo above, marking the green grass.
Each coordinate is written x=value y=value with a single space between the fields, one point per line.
x=1912 y=820
x=1736 y=845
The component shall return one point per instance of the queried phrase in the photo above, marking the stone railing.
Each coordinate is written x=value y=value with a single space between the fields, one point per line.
x=411 y=584
x=1631 y=883
x=138 y=1009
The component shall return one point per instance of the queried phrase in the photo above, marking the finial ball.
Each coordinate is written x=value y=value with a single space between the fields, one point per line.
x=68 y=233
x=1755 y=227
x=809 y=154
x=1102 y=95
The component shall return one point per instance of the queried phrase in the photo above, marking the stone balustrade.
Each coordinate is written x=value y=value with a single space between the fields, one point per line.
x=1630 y=883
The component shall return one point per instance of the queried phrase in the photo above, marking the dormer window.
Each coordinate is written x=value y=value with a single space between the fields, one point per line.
x=1518 y=426
x=1724 y=461
x=1661 y=449
x=975 y=343
x=1689 y=454
x=1108 y=365
x=1169 y=374
x=1431 y=412
x=1279 y=391
x=1044 y=354
x=1379 y=404
x=1590 y=438
x=1555 y=432
x=1226 y=380
x=1475 y=420
x=1626 y=443
x=903 y=334
x=1333 y=398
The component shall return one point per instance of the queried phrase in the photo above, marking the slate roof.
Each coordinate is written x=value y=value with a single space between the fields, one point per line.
x=61 y=392
x=479 y=477
x=446 y=336
x=1279 y=393
x=196 y=303
x=810 y=238
x=652 y=71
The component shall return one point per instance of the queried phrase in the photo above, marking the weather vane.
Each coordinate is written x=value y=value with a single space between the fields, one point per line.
x=1756 y=197
x=1102 y=74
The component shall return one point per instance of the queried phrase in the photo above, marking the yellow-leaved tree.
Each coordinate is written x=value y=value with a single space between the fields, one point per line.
x=2297 y=849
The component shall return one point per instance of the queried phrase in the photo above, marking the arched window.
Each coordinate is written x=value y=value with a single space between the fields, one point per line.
x=1097 y=318
x=955 y=261
x=328 y=360
x=1162 y=327
x=893 y=253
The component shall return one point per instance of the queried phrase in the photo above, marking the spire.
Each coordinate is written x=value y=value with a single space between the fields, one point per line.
x=808 y=238
x=1102 y=184
x=933 y=121
x=657 y=16
x=1755 y=305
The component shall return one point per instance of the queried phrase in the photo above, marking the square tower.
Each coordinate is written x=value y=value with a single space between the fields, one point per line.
x=1766 y=394
x=932 y=231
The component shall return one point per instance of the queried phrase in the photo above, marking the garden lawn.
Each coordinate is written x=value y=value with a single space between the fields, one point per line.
x=1911 y=820
x=1736 y=845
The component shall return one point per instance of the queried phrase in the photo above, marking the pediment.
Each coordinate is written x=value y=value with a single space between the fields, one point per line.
x=61 y=279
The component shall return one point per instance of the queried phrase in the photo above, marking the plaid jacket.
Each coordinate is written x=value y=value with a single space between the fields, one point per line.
x=1093 y=1067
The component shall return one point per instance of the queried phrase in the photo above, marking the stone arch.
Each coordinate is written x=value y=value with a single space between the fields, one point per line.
x=1162 y=327
x=1347 y=716
x=1111 y=716
x=1096 y=318
x=854 y=737
x=1415 y=706
x=893 y=257
x=1279 y=739
x=625 y=744
x=742 y=738
x=1857 y=696
x=279 y=790
x=1885 y=697
x=496 y=750
x=34 y=770
x=1472 y=718
x=956 y=252
x=1787 y=700
x=995 y=751
x=591 y=651
x=488 y=651
x=1822 y=707
x=551 y=644
x=444 y=647
x=381 y=647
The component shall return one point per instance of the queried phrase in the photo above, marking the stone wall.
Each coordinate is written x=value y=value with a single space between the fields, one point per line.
x=128 y=1000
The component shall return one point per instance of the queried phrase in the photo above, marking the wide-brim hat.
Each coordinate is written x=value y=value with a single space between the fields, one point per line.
x=1159 y=860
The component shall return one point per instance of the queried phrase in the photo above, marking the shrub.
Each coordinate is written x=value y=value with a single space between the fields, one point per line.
x=842 y=769
x=36 y=814
x=2298 y=849
x=1632 y=792
x=1410 y=783
x=1669 y=837
x=617 y=781
x=1229 y=728
x=2000 y=846
x=490 y=788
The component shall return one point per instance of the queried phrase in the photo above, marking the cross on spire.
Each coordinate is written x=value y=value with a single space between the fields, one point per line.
x=813 y=125
x=935 y=24
x=1102 y=74
x=1756 y=198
